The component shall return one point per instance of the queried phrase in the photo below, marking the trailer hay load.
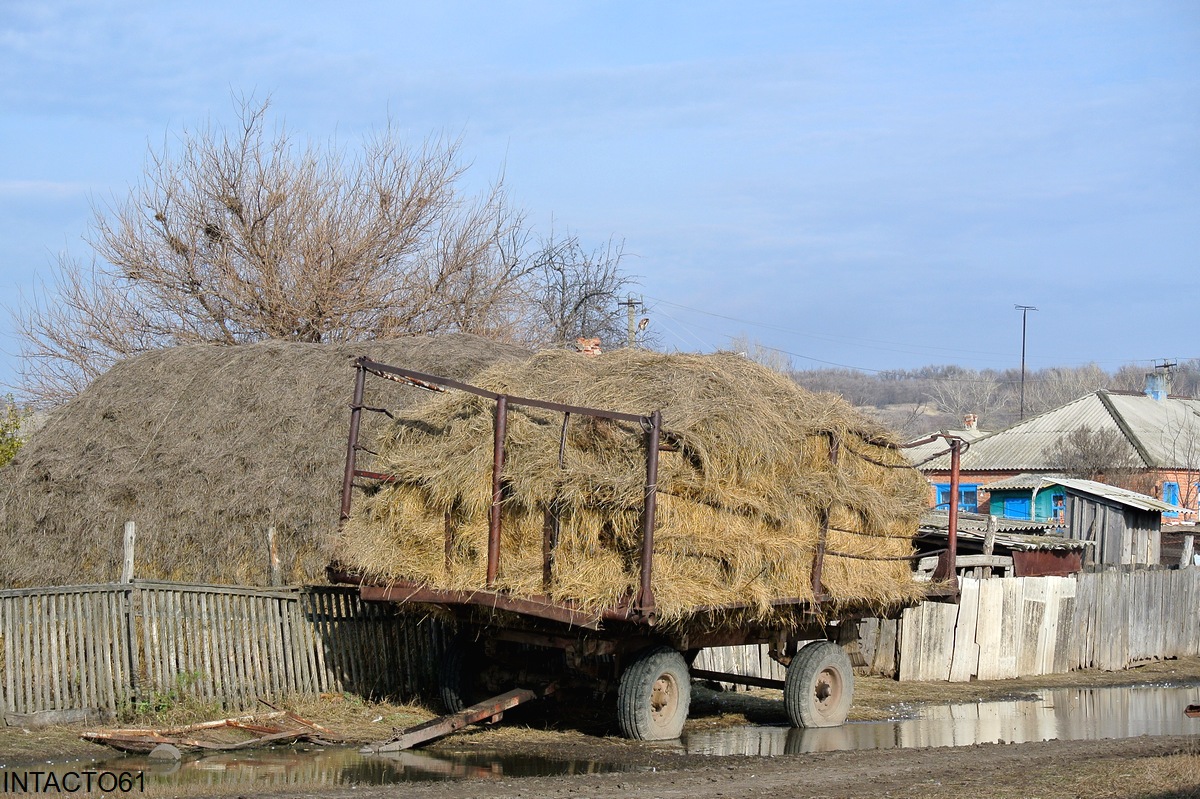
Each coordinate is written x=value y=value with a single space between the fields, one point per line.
x=639 y=506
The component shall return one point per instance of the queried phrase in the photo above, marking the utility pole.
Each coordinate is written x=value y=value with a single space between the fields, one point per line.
x=1024 y=309
x=631 y=307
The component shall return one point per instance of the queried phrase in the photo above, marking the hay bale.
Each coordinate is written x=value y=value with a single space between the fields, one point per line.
x=205 y=447
x=740 y=499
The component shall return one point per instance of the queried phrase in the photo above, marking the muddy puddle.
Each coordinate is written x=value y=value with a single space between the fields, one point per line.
x=1066 y=714
x=1054 y=714
x=279 y=767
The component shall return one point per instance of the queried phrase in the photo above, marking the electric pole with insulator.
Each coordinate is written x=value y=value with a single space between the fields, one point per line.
x=1024 y=309
x=631 y=307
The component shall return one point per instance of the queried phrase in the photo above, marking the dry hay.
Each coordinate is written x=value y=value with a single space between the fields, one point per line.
x=741 y=497
x=204 y=447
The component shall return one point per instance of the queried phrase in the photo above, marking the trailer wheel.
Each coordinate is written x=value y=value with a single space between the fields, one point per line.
x=457 y=674
x=819 y=687
x=653 y=695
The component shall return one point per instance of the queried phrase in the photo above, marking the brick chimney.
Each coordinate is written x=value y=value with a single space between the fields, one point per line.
x=970 y=421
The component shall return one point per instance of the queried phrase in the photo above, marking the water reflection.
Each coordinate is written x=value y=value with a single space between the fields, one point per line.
x=1060 y=713
x=339 y=766
x=1066 y=714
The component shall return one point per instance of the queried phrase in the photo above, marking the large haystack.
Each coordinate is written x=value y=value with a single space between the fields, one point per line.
x=741 y=497
x=205 y=447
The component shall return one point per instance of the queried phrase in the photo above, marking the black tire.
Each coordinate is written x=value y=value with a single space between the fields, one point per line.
x=457 y=675
x=653 y=695
x=819 y=688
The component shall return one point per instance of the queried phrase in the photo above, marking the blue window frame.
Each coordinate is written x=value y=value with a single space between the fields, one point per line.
x=968 y=496
x=1170 y=493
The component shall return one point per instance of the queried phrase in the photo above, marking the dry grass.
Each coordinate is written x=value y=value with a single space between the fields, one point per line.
x=205 y=447
x=742 y=495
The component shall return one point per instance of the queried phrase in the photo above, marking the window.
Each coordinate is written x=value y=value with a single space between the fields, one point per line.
x=1170 y=493
x=968 y=496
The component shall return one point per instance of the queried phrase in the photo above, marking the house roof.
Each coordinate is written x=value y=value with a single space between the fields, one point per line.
x=1121 y=496
x=1158 y=434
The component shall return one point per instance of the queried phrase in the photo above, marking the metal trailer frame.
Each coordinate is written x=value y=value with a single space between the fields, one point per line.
x=595 y=644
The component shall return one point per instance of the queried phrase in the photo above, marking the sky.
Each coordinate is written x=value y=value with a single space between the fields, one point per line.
x=862 y=184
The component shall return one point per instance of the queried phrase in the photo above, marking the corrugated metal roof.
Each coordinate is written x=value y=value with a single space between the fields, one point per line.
x=1012 y=534
x=1159 y=434
x=1168 y=431
x=978 y=522
x=1022 y=482
x=1119 y=495
x=1122 y=496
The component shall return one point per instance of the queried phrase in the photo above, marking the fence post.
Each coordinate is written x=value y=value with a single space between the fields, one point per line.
x=273 y=554
x=127 y=566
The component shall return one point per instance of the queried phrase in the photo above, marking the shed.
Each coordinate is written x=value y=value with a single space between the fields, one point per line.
x=1125 y=526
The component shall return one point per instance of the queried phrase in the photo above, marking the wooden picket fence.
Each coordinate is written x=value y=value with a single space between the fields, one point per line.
x=107 y=646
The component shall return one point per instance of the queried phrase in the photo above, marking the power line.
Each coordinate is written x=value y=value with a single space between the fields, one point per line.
x=880 y=344
x=660 y=301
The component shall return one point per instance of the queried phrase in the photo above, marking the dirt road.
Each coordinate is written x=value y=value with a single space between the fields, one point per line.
x=1139 y=767
x=1144 y=767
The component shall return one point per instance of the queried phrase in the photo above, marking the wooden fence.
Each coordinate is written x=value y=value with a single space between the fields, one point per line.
x=1044 y=625
x=1020 y=626
x=107 y=646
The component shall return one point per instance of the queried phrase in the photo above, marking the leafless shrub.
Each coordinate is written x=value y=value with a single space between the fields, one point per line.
x=1103 y=455
x=574 y=292
x=244 y=234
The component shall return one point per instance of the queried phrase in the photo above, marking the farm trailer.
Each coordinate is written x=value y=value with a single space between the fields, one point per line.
x=545 y=646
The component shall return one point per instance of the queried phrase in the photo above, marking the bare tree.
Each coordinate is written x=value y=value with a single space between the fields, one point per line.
x=245 y=234
x=1179 y=439
x=758 y=352
x=1050 y=388
x=1103 y=455
x=572 y=292
x=966 y=391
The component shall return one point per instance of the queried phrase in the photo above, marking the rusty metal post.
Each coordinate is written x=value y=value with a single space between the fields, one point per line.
x=352 y=442
x=819 y=556
x=645 y=598
x=500 y=430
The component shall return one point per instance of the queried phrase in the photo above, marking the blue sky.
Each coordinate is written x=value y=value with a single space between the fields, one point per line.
x=864 y=184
